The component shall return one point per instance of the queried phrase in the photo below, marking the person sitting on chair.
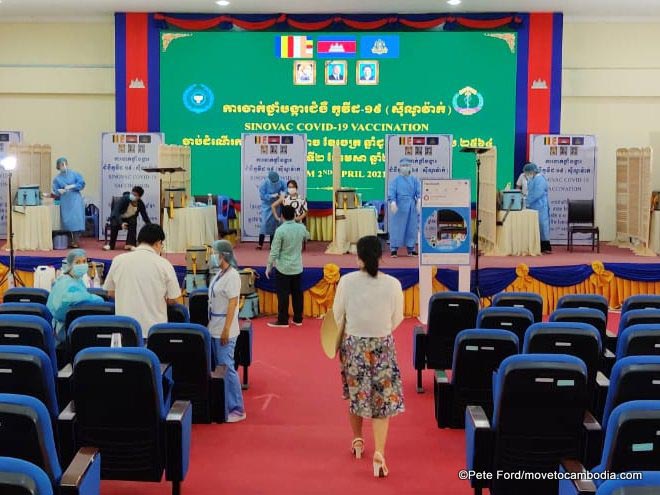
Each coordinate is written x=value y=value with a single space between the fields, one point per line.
x=124 y=216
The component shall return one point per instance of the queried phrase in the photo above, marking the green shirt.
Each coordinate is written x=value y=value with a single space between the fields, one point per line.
x=286 y=248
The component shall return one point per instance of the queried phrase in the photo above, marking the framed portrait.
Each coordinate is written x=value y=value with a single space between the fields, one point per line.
x=304 y=72
x=335 y=72
x=366 y=72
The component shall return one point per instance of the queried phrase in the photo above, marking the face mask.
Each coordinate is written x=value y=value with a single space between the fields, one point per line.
x=529 y=176
x=63 y=170
x=292 y=191
x=79 y=270
x=131 y=197
x=404 y=170
x=215 y=261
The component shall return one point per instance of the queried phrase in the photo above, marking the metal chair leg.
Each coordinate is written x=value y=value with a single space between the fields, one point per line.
x=245 y=385
x=420 y=388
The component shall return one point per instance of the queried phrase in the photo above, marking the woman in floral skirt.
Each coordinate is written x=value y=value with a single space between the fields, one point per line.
x=370 y=305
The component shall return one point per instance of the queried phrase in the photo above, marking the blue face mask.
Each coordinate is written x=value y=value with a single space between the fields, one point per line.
x=79 y=270
x=215 y=261
x=131 y=197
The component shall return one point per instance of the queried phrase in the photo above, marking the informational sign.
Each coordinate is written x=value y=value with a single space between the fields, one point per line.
x=124 y=156
x=429 y=156
x=6 y=137
x=445 y=231
x=286 y=154
x=569 y=165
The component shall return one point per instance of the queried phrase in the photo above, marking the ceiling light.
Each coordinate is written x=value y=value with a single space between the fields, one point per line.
x=454 y=2
x=222 y=3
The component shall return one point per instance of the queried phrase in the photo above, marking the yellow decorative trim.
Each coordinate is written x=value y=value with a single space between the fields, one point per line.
x=508 y=38
x=170 y=37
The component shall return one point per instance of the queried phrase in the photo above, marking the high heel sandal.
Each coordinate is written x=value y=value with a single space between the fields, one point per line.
x=357 y=447
x=380 y=469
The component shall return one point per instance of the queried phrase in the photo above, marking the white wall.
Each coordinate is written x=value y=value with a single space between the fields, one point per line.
x=611 y=88
x=57 y=86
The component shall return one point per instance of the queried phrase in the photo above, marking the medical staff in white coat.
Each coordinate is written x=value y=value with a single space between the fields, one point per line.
x=404 y=196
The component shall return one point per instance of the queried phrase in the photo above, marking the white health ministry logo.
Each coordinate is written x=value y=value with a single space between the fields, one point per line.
x=198 y=98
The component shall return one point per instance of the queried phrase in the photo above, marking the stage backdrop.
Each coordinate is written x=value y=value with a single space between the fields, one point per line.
x=349 y=89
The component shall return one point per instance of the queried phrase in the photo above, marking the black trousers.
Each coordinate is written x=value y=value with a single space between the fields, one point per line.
x=131 y=236
x=289 y=285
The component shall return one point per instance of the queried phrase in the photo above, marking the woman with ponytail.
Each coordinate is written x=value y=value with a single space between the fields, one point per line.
x=369 y=304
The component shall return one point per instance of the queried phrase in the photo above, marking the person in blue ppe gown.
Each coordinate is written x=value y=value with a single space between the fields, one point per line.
x=67 y=185
x=69 y=289
x=404 y=196
x=269 y=192
x=537 y=199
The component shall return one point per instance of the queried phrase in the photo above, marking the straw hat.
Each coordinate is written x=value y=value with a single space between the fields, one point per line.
x=331 y=334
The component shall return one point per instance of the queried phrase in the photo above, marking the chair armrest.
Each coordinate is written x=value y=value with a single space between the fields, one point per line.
x=66 y=425
x=600 y=395
x=217 y=394
x=574 y=486
x=607 y=362
x=592 y=440
x=178 y=424
x=83 y=476
x=443 y=395
x=168 y=383
x=64 y=384
x=419 y=348
x=611 y=340
x=478 y=443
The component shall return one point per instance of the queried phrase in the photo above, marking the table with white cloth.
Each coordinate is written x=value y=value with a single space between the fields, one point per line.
x=351 y=225
x=33 y=228
x=194 y=226
x=519 y=234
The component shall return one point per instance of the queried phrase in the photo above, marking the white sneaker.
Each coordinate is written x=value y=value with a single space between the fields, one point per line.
x=236 y=417
x=106 y=247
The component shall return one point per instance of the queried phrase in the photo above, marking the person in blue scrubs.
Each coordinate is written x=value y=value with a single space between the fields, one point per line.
x=270 y=190
x=404 y=196
x=537 y=199
x=67 y=185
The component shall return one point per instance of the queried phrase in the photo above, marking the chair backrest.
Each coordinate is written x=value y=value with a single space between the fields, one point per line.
x=580 y=211
x=633 y=378
x=198 y=304
x=222 y=209
x=28 y=371
x=114 y=201
x=594 y=301
x=576 y=339
x=177 y=313
x=96 y=331
x=515 y=320
x=637 y=317
x=28 y=330
x=649 y=484
x=21 y=308
x=449 y=313
x=639 y=340
x=19 y=477
x=478 y=353
x=550 y=388
x=98 y=291
x=528 y=300
x=591 y=316
x=88 y=309
x=631 y=438
x=26 y=433
x=26 y=294
x=641 y=301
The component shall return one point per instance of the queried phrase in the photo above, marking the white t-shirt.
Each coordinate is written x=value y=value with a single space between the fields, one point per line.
x=521 y=183
x=224 y=286
x=142 y=282
x=370 y=306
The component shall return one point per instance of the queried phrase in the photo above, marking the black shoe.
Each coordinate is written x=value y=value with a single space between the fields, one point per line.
x=277 y=324
x=412 y=253
x=393 y=254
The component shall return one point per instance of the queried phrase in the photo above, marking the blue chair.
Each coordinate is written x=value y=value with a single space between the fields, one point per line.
x=88 y=309
x=28 y=330
x=97 y=330
x=223 y=211
x=26 y=295
x=633 y=378
x=593 y=301
x=477 y=354
x=92 y=220
x=635 y=317
x=28 y=371
x=631 y=444
x=198 y=304
x=449 y=313
x=27 y=434
x=177 y=313
x=380 y=207
x=528 y=300
x=515 y=320
x=21 y=308
x=19 y=477
x=539 y=417
x=639 y=340
x=121 y=409
x=187 y=347
x=101 y=292
x=641 y=301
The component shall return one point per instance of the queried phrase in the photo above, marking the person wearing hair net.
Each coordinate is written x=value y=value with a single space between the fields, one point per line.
x=69 y=289
x=224 y=293
x=67 y=185
x=537 y=199
x=269 y=192
x=404 y=196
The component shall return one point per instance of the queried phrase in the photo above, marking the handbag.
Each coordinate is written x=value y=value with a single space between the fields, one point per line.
x=331 y=334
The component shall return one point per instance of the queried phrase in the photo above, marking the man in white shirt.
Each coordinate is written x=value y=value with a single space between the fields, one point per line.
x=142 y=282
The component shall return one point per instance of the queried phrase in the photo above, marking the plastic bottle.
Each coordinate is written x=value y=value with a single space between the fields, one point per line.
x=209 y=200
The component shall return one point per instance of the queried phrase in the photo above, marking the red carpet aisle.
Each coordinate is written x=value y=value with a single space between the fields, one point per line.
x=296 y=438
